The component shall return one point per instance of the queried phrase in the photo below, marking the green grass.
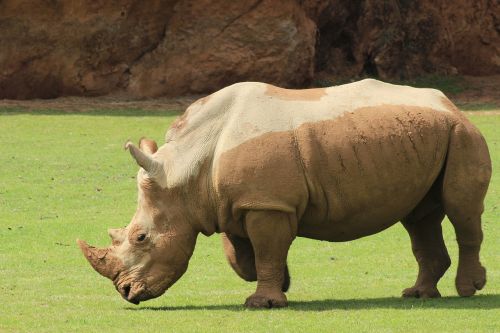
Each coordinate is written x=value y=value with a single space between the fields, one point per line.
x=65 y=176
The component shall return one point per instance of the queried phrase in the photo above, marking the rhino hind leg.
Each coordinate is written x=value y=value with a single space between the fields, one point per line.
x=424 y=228
x=240 y=255
x=467 y=175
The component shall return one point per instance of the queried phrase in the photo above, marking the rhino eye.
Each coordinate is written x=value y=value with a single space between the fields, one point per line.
x=141 y=237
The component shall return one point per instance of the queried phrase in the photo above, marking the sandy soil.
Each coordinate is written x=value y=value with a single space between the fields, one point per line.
x=82 y=104
x=479 y=90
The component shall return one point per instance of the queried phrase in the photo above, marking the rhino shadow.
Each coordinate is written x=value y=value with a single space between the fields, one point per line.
x=450 y=302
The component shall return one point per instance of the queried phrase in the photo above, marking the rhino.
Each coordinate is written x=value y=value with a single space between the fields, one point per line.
x=262 y=165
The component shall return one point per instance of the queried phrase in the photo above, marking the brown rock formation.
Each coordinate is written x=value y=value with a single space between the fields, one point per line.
x=212 y=43
x=54 y=48
x=50 y=49
x=173 y=47
x=405 y=38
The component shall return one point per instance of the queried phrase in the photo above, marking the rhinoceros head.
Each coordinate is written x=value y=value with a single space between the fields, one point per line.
x=152 y=252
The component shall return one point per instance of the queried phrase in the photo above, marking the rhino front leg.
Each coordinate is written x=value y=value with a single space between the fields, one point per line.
x=271 y=234
x=240 y=255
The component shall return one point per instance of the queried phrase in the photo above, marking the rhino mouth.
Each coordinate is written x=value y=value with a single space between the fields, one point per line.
x=135 y=293
x=126 y=294
x=130 y=295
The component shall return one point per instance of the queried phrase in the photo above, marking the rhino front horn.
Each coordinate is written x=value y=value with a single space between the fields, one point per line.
x=102 y=260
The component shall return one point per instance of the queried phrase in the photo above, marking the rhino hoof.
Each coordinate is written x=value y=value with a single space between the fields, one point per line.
x=421 y=292
x=259 y=302
x=468 y=281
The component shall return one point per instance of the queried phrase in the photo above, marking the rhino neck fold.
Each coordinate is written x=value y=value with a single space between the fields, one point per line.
x=199 y=201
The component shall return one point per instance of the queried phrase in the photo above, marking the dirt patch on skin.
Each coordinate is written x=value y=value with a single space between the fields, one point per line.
x=180 y=122
x=296 y=94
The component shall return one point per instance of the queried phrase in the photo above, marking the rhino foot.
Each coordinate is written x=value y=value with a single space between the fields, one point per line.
x=421 y=292
x=470 y=280
x=268 y=302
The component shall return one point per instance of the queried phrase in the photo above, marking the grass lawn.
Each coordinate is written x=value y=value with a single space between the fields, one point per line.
x=65 y=176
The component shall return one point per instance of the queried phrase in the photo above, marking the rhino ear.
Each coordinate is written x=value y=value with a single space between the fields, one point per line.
x=144 y=159
x=153 y=167
x=148 y=146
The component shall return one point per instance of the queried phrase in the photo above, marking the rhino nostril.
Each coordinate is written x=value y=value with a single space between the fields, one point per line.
x=126 y=291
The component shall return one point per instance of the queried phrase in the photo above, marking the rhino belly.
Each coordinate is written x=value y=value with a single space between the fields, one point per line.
x=367 y=170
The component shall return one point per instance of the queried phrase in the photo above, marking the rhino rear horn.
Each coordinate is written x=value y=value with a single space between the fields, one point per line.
x=102 y=260
x=117 y=236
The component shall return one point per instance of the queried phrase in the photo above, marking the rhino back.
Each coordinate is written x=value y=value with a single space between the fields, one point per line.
x=257 y=108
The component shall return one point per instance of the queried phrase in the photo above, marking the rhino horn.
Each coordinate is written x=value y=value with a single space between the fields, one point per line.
x=147 y=162
x=117 y=236
x=102 y=260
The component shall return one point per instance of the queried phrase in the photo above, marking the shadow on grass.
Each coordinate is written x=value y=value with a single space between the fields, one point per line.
x=121 y=112
x=455 y=302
